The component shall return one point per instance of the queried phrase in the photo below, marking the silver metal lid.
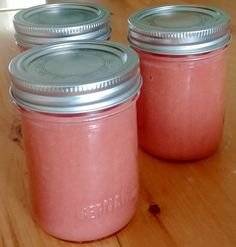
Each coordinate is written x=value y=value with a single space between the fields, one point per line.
x=74 y=77
x=179 y=29
x=61 y=22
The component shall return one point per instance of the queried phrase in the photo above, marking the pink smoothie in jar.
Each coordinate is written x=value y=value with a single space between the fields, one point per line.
x=61 y=22
x=78 y=110
x=182 y=52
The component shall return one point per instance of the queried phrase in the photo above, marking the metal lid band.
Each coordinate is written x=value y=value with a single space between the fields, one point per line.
x=179 y=29
x=75 y=77
x=61 y=22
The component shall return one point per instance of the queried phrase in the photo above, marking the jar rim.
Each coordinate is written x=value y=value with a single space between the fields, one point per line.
x=77 y=117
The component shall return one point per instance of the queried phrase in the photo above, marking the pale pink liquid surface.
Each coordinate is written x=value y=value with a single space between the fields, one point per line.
x=83 y=171
x=21 y=48
x=181 y=105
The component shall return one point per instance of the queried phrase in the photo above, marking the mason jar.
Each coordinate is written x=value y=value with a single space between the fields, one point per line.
x=61 y=22
x=77 y=103
x=182 y=51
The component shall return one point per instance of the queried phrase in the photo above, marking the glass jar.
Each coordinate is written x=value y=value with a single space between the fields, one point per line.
x=77 y=103
x=61 y=22
x=182 y=52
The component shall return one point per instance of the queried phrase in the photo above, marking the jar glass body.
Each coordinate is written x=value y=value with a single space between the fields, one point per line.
x=83 y=170
x=181 y=105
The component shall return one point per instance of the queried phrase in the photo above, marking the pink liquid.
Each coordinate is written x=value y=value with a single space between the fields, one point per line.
x=181 y=105
x=83 y=171
x=22 y=49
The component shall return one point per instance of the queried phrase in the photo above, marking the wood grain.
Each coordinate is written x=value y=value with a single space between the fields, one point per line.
x=197 y=200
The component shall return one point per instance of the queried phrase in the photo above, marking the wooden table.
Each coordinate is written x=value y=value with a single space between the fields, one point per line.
x=197 y=200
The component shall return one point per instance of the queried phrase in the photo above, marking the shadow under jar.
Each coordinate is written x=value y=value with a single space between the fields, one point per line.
x=182 y=52
x=77 y=103
x=61 y=22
